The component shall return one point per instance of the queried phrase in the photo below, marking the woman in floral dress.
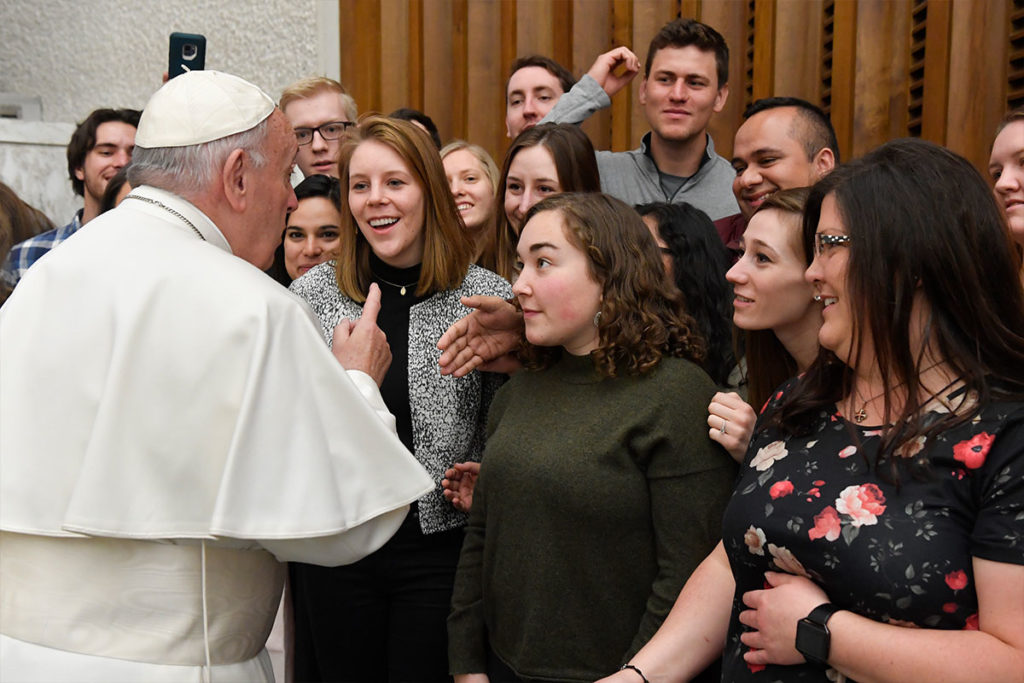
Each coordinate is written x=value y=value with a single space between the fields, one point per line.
x=887 y=481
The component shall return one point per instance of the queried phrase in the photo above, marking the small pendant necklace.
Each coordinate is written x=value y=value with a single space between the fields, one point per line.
x=400 y=288
x=862 y=414
x=170 y=210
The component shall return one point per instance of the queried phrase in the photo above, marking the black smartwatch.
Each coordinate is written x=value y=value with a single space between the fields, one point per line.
x=812 y=634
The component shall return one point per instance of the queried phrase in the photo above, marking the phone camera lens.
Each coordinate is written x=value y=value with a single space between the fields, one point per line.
x=188 y=51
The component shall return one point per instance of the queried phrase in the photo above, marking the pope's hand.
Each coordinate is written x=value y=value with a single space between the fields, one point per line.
x=362 y=345
x=483 y=338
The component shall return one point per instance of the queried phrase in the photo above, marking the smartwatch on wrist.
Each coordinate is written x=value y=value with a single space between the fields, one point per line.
x=812 y=634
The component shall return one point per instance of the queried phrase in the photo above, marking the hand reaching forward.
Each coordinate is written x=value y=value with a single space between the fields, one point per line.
x=603 y=69
x=483 y=338
x=459 y=483
x=362 y=345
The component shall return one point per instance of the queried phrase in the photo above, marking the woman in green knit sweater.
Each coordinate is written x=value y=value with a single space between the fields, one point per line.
x=600 y=490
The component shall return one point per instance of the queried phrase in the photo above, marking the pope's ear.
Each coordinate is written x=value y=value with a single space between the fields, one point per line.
x=234 y=180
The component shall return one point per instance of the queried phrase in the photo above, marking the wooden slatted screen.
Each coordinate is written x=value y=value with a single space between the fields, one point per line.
x=941 y=69
x=915 y=80
x=827 y=44
x=1015 y=63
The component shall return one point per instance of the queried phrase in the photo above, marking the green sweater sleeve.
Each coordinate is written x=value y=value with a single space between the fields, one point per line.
x=467 y=632
x=690 y=479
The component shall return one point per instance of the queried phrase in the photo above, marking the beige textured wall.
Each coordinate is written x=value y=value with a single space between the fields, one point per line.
x=82 y=54
x=79 y=55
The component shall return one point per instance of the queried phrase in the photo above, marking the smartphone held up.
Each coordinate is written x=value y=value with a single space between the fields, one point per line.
x=187 y=53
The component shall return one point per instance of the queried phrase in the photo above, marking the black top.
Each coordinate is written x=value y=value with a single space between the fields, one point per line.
x=813 y=506
x=393 y=320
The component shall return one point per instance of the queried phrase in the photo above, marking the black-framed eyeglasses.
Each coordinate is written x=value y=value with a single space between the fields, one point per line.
x=665 y=250
x=823 y=242
x=332 y=130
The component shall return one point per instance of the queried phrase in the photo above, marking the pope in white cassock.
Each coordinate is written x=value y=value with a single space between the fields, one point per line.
x=172 y=426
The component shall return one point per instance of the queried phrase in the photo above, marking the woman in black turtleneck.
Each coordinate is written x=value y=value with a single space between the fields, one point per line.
x=383 y=618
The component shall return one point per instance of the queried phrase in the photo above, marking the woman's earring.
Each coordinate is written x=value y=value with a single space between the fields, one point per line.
x=597 y=319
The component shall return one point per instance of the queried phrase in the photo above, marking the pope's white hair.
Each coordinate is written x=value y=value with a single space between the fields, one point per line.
x=189 y=171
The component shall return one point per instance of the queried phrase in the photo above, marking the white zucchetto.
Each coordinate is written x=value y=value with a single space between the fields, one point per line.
x=200 y=106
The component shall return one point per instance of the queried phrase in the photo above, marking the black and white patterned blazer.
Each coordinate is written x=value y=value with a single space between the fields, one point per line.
x=448 y=414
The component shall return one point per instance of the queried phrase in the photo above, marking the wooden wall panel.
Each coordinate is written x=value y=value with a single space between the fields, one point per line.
x=442 y=85
x=622 y=106
x=592 y=36
x=647 y=17
x=450 y=58
x=729 y=18
x=977 y=86
x=844 y=72
x=394 y=80
x=361 y=60
x=764 y=48
x=485 y=78
x=797 y=41
x=534 y=27
x=938 y=27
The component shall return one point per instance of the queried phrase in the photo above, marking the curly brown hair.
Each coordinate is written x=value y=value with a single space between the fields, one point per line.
x=642 y=315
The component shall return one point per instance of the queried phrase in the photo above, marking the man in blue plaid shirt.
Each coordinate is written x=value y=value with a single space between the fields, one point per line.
x=99 y=148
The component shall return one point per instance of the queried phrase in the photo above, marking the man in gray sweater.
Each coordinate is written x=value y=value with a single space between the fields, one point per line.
x=685 y=82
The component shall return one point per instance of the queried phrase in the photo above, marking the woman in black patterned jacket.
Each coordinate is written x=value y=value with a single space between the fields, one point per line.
x=383 y=618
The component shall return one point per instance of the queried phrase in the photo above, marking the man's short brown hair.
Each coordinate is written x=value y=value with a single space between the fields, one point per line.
x=565 y=78
x=686 y=32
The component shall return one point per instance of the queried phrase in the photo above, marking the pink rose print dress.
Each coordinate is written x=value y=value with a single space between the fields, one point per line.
x=813 y=505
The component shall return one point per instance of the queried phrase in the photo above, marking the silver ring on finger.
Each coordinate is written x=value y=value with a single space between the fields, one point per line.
x=724 y=423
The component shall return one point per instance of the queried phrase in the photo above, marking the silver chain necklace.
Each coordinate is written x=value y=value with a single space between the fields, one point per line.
x=170 y=210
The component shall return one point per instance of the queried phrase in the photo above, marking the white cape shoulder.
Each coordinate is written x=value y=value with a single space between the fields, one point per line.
x=154 y=386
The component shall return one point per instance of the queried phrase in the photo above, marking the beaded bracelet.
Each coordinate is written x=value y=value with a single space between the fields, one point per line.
x=638 y=671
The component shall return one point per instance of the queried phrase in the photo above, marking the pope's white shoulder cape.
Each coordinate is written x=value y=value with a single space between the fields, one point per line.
x=154 y=386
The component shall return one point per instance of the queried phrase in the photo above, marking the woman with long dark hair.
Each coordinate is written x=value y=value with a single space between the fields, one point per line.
x=697 y=261
x=875 y=530
x=773 y=306
x=541 y=162
x=312 y=231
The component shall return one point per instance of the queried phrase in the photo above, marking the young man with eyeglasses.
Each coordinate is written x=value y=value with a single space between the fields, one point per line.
x=319 y=110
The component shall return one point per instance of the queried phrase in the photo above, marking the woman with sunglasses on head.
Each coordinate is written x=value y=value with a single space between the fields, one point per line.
x=875 y=530
x=599 y=490
x=383 y=618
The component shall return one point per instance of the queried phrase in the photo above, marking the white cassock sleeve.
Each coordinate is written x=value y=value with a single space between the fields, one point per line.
x=185 y=395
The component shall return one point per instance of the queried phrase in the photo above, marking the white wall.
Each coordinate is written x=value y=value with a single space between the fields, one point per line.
x=78 y=55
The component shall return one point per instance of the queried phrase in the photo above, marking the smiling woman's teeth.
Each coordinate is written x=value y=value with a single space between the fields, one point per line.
x=382 y=222
x=464 y=207
x=829 y=300
x=743 y=299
